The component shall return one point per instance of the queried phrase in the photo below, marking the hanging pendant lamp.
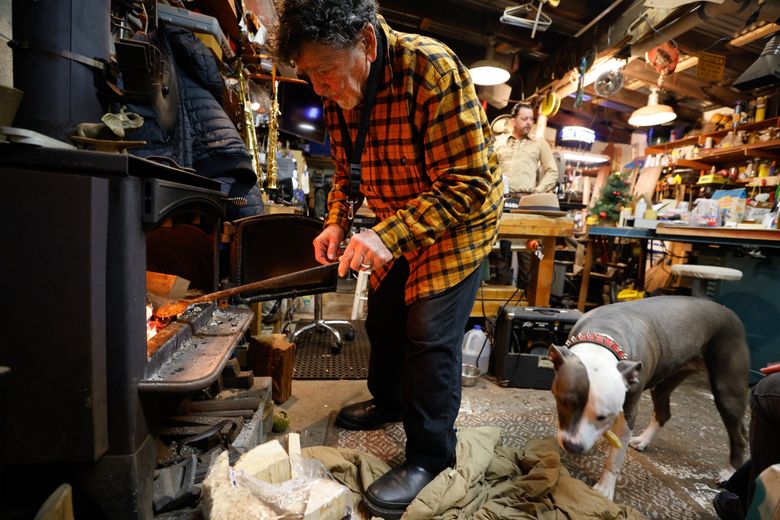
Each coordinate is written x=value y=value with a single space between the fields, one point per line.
x=489 y=71
x=653 y=113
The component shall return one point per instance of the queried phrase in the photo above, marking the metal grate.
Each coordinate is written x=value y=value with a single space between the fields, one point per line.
x=314 y=359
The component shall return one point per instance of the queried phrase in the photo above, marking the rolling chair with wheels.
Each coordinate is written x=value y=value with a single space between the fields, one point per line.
x=321 y=325
x=284 y=242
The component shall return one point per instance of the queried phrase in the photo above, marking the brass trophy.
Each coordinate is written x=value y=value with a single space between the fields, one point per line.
x=273 y=134
x=250 y=136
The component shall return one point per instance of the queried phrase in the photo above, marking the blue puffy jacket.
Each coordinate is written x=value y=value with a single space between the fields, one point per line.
x=202 y=137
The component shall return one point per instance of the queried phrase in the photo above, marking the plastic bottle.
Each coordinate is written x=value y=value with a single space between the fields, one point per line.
x=760 y=109
x=641 y=208
x=476 y=349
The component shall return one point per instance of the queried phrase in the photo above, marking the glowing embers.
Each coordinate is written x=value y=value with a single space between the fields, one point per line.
x=152 y=325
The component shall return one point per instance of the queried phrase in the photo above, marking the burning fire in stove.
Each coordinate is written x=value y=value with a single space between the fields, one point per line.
x=152 y=323
x=161 y=289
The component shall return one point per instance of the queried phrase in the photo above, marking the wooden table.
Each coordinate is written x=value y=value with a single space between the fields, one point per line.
x=719 y=235
x=546 y=230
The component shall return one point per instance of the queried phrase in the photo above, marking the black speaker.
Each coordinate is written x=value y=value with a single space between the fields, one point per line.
x=522 y=338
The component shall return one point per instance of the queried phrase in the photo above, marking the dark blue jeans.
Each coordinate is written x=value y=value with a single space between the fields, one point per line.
x=764 y=427
x=415 y=363
x=764 y=435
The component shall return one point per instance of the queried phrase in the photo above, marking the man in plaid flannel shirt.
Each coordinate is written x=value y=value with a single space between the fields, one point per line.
x=430 y=175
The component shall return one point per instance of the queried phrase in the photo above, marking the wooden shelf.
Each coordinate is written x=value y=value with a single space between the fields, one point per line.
x=699 y=139
x=766 y=123
x=760 y=182
x=764 y=150
x=663 y=147
x=689 y=163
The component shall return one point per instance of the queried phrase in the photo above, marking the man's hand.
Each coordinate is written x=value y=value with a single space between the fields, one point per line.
x=326 y=245
x=365 y=251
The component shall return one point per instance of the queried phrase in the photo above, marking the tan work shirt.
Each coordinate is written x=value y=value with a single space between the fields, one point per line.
x=520 y=160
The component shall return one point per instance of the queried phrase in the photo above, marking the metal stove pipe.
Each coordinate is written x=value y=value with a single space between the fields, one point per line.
x=696 y=16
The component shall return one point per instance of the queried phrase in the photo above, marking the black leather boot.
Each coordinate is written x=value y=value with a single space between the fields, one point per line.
x=365 y=415
x=389 y=495
x=728 y=506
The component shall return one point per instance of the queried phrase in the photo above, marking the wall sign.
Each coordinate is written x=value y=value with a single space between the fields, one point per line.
x=710 y=66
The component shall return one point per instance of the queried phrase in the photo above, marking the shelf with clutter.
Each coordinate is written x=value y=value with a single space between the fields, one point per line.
x=716 y=135
x=736 y=146
x=731 y=166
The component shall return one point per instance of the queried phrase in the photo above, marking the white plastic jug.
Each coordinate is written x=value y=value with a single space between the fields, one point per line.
x=476 y=349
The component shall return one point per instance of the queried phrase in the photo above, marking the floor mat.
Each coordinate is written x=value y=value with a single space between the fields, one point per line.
x=315 y=360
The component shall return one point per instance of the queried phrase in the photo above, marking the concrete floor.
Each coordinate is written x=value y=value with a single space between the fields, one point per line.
x=674 y=478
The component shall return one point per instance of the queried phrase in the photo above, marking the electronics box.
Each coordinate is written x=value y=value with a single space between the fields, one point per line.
x=522 y=338
x=196 y=22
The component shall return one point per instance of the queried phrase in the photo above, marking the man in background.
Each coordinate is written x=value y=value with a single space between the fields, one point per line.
x=526 y=161
x=528 y=166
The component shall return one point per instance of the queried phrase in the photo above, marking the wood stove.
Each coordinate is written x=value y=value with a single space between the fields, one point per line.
x=81 y=401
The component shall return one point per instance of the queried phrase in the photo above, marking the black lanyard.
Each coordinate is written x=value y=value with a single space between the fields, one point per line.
x=355 y=153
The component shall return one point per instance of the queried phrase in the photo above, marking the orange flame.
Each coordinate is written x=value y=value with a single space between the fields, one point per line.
x=151 y=329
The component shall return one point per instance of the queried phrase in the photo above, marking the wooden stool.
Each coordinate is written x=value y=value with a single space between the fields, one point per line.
x=701 y=275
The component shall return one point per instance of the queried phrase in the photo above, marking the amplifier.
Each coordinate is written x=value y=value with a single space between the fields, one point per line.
x=522 y=338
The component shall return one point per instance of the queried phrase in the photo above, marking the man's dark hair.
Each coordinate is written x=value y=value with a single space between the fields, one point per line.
x=335 y=23
x=518 y=106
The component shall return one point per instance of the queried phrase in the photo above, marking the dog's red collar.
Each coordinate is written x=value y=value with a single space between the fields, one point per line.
x=599 y=339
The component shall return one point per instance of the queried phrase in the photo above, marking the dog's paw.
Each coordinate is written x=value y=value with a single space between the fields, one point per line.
x=639 y=442
x=606 y=485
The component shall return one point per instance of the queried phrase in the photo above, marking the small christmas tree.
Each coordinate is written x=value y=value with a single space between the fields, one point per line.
x=614 y=197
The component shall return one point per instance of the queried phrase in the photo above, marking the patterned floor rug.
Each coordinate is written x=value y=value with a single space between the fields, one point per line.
x=672 y=480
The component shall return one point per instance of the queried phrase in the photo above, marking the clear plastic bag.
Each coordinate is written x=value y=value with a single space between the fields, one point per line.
x=706 y=213
x=312 y=489
x=233 y=494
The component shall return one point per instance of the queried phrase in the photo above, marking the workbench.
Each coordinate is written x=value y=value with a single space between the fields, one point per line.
x=545 y=230
x=718 y=235
x=722 y=236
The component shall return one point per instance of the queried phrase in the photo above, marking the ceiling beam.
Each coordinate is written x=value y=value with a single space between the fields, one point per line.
x=625 y=97
x=738 y=59
x=464 y=23
x=685 y=85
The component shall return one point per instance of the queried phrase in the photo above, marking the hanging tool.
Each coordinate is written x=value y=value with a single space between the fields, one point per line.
x=581 y=81
x=311 y=275
x=550 y=104
x=520 y=16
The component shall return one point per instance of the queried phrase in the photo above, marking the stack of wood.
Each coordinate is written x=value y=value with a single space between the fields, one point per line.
x=272 y=355
x=266 y=482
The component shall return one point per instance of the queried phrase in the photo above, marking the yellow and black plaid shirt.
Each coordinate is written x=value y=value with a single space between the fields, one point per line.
x=429 y=171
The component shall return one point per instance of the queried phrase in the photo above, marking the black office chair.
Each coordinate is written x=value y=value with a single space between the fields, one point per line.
x=284 y=243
